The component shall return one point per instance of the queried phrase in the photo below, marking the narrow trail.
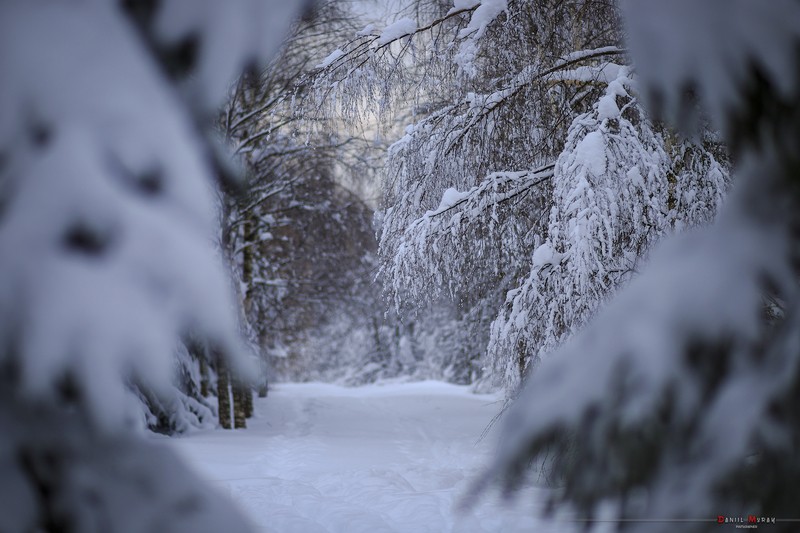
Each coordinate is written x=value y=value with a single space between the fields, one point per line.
x=394 y=458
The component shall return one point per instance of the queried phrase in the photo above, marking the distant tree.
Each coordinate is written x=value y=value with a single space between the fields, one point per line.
x=300 y=239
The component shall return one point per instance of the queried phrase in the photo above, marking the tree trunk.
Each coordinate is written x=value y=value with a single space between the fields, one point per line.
x=239 y=411
x=263 y=382
x=247 y=394
x=204 y=385
x=247 y=267
x=242 y=395
x=223 y=393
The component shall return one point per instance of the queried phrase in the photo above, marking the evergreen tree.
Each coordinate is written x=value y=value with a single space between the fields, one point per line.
x=106 y=264
x=679 y=400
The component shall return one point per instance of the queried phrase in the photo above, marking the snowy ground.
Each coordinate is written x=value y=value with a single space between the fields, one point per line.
x=381 y=458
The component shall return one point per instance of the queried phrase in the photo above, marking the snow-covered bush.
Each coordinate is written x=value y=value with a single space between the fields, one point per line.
x=180 y=408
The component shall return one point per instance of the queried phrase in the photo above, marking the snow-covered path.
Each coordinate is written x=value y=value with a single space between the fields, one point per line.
x=381 y=458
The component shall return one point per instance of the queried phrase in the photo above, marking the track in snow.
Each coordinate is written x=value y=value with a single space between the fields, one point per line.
x=320 y=458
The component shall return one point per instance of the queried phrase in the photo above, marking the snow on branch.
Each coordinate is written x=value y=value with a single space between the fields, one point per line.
x=396 y=31
x=367 y=41
x=435 y=251
x=462 y=116
x=718 y=43
x=678 y=396
x=669 y=364
x=482 y=196
x=108 y=267
x=485 y=13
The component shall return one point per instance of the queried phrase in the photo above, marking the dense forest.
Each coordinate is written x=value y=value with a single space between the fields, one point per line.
x=479 y=162
x=585 y=207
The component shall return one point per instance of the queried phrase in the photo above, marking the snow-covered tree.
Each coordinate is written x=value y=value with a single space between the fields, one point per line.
x=184 y=406
x=614 y=194
x=679 y=399
x=467 y=187
x=107 y=263
x=526 y=136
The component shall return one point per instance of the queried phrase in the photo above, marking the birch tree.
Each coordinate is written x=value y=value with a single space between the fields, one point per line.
x=527 y=142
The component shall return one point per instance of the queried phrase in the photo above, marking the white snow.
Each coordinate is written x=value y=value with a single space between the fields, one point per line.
x=607 y=107
x=582 y=54
x=103 y=314
x=378 y=458
x=482 y=17
x=450 y=197
x=605 y=73
x=546 y=255
x=712 y=45
x=591 y=152
x=234 y=33
x=333 y=56
x=366 y=30
x=485 y=14
x=397 y=29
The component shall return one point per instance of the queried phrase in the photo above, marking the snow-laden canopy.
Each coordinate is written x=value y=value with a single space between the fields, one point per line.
x=678 y=400
x=107 y=260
